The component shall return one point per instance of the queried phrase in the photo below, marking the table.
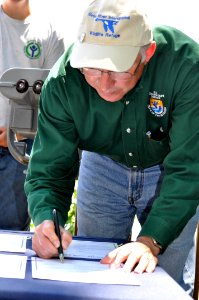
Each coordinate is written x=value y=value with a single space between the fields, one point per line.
x=155 y=286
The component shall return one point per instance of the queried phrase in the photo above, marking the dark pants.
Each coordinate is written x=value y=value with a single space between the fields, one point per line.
x=13 y=202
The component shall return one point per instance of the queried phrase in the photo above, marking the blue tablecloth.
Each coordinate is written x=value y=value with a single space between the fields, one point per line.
x=155 y=286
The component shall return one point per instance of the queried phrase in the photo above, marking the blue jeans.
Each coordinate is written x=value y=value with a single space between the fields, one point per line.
x=13 y=201
x=111 y=194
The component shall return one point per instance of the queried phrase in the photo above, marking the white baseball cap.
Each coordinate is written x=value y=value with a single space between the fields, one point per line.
x=110 y=35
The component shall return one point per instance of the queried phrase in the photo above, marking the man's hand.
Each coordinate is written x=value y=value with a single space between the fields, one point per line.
x=3 y=137
x=45 y=242
x=135 y=256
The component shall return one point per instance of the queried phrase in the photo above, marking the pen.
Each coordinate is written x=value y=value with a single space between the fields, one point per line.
x=57 y=231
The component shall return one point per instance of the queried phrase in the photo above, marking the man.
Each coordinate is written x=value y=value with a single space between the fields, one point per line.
x=26 y=42
x=129 y=97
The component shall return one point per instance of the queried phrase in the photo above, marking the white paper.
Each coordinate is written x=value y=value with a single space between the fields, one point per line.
x=89 y=249
x=80 y=271
x=12 y=266
x=13 y=243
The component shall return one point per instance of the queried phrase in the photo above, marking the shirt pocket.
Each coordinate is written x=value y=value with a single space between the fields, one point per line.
x=154 y=151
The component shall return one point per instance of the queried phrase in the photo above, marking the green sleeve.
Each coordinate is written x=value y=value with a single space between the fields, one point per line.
x=179 y=195
x=54 y=161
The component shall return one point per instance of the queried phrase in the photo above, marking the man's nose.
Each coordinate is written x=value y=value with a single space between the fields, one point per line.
x=106 y=80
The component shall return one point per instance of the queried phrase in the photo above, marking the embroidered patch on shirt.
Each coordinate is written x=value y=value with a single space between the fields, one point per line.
x=156 y=105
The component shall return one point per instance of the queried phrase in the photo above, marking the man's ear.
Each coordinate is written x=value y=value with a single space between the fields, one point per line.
x=150 y=51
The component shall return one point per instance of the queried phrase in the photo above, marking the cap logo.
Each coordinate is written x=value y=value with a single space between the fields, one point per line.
x=109 y=23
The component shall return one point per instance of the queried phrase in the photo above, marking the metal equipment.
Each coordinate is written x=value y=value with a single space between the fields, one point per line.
x=22 y=86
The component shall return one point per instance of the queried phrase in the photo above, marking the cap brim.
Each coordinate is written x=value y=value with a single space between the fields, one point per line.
x=113 y=58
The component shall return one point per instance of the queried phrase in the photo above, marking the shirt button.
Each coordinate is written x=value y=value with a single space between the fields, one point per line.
x=130 y=154
x=128 y=130
x=127 y=102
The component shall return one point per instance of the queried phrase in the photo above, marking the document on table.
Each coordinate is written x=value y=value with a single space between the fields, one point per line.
x=89 y=249
x=85 y=271
x=12 y=266
x=13 y=243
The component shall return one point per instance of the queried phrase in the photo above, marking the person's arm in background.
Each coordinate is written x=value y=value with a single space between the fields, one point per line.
x=3 y=137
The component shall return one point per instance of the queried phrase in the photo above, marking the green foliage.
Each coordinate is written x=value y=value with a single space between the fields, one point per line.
x=70 y=224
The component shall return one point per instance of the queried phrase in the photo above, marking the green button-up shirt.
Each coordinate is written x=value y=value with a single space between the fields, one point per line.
x=157 y=122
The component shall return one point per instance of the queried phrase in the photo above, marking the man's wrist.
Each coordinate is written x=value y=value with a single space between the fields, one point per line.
x=150 y=242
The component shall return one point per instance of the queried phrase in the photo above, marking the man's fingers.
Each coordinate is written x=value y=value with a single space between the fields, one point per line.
x=42 y=246
x=66 y=238
x=48 y=231
x=135 y=256
x=45 y=241
x=110 y=257
x=152 y=265
x=146 y=263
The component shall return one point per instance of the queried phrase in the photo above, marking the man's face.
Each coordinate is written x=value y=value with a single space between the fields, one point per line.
x=13 y=1
x=111 y=88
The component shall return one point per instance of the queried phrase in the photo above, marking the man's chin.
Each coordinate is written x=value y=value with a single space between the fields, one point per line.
x=110 y=97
